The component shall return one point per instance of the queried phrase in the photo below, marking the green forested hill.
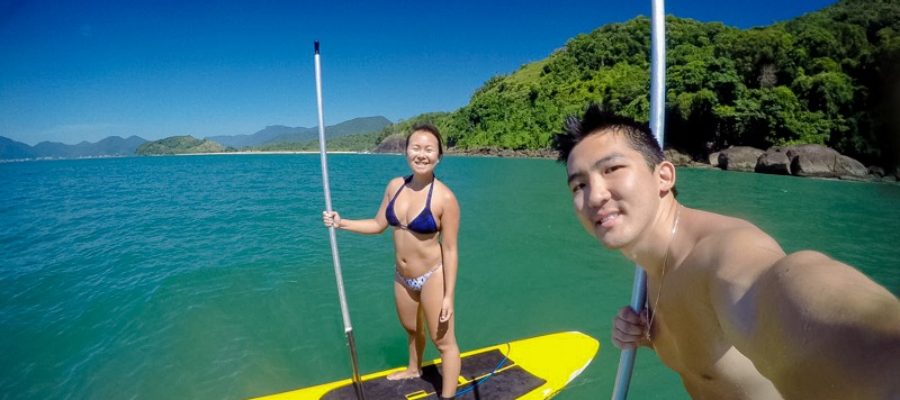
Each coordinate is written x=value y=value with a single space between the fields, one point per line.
x=179 y=145
x=822 y=78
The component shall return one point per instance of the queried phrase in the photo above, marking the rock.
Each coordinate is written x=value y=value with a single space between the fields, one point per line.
x=739 y=158
x=821 y=161
x=714 y=159
x=677 y=158
x=392 y=144
x=876 y=170
x=855 y=178
x=774 y=161
x=889 y=178
x=813 y=160
x=846 y=166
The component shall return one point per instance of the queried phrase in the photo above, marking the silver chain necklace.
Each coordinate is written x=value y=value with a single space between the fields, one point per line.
x=663 y=275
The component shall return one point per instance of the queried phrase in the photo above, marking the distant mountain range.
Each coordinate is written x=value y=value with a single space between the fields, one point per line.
x=284 y=134
x=117 y=146
x=109 y=147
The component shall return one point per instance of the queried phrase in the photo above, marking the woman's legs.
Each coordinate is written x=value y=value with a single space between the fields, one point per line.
x=409 y=312
x=442 y=334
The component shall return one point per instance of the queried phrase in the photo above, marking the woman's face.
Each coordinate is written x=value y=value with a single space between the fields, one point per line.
x=423 y=152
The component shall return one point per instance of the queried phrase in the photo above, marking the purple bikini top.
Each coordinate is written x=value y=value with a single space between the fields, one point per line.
x=422 y=223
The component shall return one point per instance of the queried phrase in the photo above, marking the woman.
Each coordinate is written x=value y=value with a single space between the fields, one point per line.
x=425 y=216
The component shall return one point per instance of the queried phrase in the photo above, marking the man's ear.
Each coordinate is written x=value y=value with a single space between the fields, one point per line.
x=665 y=172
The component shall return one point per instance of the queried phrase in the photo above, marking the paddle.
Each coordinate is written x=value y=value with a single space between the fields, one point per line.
x=348 y=328
x=657 y=126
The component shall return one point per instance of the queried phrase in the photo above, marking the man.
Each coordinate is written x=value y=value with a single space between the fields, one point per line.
x=726 y=308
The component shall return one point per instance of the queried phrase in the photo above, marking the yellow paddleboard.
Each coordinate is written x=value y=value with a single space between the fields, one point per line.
x=534 y=368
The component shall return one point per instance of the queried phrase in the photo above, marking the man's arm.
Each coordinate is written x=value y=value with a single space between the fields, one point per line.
x=815 y=327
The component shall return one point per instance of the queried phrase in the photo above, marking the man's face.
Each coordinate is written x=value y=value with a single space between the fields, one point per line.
x=614 y=193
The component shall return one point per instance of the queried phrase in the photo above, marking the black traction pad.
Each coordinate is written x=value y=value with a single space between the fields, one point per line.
x=510 y=382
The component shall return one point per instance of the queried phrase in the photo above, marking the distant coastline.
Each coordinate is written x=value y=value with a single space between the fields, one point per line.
x=734 y=159
x=225 y=153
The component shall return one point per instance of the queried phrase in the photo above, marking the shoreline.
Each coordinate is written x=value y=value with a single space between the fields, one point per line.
x=544 y=154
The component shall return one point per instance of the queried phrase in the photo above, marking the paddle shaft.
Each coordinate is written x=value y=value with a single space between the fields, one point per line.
x=348 y=328
x=657 y=126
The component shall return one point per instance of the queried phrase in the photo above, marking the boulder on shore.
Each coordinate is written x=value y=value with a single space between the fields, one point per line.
x=812 y=160
x=714 y=159
x=774 y=161
x=848 y=168
x=876 y=171
x=677 y=158
x=816 y=160
x=739 y=158
x=392 y=144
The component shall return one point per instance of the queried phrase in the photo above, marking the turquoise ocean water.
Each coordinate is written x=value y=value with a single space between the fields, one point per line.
x=210 y=277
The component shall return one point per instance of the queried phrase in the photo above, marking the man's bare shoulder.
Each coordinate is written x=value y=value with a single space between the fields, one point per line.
x=728 y=255
x=722 y=242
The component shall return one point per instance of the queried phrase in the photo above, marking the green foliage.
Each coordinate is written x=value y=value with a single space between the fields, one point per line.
x=826 y=77
x=179 y=145
x=439 y=119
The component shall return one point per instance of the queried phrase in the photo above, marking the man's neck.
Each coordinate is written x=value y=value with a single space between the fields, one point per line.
x=649 y=250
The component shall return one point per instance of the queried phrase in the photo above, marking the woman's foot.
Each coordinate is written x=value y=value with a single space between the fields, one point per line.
x=405 y=374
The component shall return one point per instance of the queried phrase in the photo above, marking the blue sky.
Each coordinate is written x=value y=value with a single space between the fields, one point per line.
x=85 y=70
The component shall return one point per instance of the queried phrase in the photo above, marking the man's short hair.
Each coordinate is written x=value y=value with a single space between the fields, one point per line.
x=597 y=120
x=433 y=130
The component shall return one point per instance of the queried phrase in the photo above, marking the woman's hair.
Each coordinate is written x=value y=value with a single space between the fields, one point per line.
x=433 y=130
